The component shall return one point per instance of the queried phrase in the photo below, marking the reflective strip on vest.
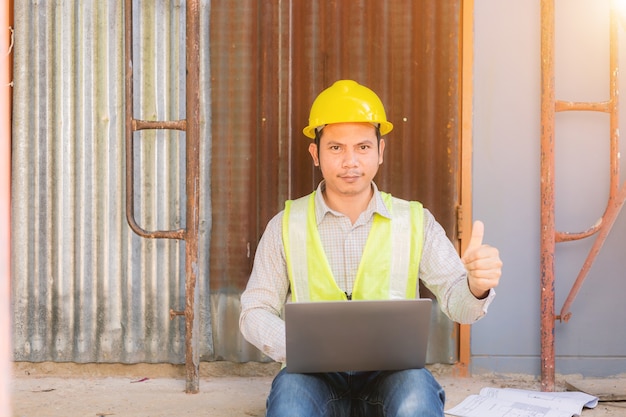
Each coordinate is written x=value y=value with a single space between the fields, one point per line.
x=389 y=265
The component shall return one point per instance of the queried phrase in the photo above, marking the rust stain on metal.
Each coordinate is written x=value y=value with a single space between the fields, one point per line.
x=174 y=313
x=150 y=124
x=617 y=194
x=192 y=152
x=547 y=195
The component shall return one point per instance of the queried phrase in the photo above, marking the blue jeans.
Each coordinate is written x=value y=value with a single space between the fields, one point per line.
x=413 y=392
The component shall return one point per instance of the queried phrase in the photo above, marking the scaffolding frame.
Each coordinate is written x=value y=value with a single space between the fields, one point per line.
x=617 y=195
x=191 y=126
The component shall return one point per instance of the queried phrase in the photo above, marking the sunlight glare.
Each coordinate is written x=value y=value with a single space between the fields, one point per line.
x=620 y=8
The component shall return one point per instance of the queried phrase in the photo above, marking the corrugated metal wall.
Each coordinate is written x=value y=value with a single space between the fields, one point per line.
x=86 y=289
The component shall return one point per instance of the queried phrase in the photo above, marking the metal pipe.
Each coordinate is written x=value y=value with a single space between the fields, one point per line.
x=582 y=106
x=609 y=219
x=131 y=126
x=150 y=124
x=617 y=196
x=192 y=88
x=547 y=195
x=191 y=125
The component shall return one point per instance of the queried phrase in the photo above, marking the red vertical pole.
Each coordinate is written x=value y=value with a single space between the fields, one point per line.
x=548 y=231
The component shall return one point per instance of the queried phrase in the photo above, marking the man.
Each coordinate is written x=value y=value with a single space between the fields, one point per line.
x=350 y=257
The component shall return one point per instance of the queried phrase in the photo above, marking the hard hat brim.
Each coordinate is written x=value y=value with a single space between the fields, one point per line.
x=385 y=128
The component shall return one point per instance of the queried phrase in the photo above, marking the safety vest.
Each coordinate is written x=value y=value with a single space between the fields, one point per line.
x=389 y=264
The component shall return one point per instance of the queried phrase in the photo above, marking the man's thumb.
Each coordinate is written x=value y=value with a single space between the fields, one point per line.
x=476 y=240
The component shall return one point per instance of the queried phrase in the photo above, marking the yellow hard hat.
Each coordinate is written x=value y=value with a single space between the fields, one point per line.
x=347 y=101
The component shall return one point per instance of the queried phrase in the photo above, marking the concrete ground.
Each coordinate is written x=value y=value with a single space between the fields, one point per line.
x=226 y=390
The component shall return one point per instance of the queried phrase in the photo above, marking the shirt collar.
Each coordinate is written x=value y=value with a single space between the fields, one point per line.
x=376 y=204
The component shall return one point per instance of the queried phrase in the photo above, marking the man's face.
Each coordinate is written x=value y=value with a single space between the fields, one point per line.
x=348 y=157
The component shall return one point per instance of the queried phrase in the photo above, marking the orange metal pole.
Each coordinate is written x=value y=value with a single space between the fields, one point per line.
x=192 y=152
x=5 y=210
x=548 y=235
x=467 y=65
x=191 y=125
x=617 y=195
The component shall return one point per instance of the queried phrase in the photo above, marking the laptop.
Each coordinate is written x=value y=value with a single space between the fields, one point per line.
x=337 y=336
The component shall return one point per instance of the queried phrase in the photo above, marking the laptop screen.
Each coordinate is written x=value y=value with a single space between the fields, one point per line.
x=334 y=336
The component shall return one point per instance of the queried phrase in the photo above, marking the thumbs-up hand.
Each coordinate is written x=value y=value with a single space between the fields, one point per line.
x=482 y=263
